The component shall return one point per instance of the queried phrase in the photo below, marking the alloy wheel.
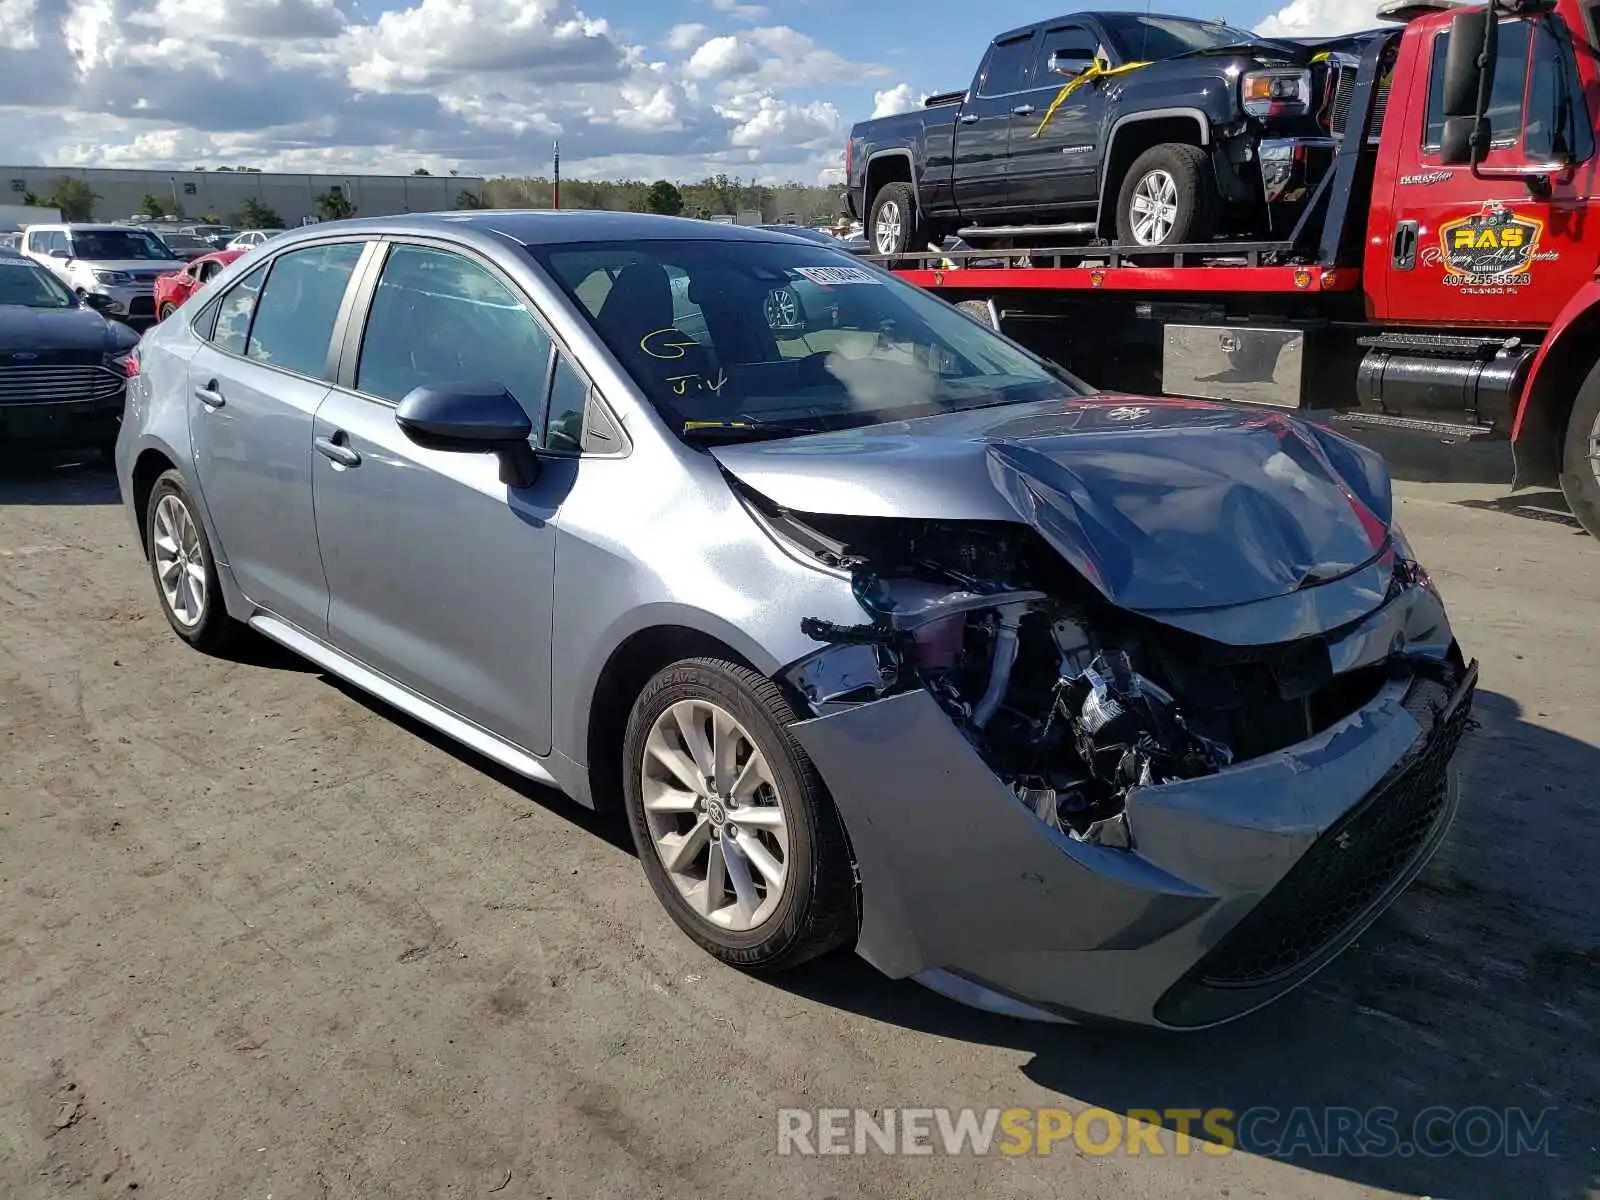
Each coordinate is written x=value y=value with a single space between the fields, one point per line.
x=712 y=808
x=180 y=563
x=1155 y=208
x=886 y=229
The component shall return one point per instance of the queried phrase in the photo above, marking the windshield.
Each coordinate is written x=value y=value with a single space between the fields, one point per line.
x=28 y=286
x=115 y=245
x=1151 y=39
x=723 y=334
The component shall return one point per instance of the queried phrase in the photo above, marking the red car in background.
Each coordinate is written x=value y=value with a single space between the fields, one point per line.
x=173 y=289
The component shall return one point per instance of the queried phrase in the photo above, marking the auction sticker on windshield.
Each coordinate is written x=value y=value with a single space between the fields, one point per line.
x=827 y=276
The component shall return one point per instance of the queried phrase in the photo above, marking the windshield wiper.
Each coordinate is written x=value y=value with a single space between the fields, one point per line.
x=742 y=429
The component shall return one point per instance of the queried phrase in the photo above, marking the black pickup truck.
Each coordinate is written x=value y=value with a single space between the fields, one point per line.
x=1219 y=132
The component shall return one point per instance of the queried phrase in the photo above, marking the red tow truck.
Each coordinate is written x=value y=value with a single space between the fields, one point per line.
x=1437 y=268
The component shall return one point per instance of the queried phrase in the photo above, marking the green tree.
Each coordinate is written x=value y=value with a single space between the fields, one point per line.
x=663 y=198
x=74 y=198
x=33 y=200
x=211 y=219
x=256 y=215
x=470 y=200
x=334 y=205
x=151 y=206
x=422 y=171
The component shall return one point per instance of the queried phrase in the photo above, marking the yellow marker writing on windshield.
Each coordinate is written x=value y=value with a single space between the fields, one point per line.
x=657 y=344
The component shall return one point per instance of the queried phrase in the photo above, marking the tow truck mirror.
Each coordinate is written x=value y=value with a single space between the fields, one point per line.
x=1469 y=65
x=1465 y=142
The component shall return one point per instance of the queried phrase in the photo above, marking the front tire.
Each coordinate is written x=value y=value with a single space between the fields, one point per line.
x=734 y=827
x=184 y=569
x=1580 y=456
x=1168 y=198
x=892 y=225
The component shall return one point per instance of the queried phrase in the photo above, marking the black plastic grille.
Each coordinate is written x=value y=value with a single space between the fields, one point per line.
x=1348 y=868
x=142 y=306
x=1344 y=94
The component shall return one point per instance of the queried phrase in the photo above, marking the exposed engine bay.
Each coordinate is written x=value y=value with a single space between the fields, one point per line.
x=1074 y=703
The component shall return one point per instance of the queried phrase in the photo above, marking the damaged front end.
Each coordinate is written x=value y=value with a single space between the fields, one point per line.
x=1158 y=784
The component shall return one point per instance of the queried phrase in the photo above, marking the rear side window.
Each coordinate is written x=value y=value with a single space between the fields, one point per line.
x=1007 y=68
x=238 y=306
x=295 y=315
x=441 y=318
x=1505 y=102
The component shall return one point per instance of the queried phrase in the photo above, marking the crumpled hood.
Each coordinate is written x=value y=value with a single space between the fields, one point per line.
x=40 y=330
x=1161 y=504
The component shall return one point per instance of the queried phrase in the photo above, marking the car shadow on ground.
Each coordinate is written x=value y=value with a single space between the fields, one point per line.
x=1479 y=990
x=58 y=481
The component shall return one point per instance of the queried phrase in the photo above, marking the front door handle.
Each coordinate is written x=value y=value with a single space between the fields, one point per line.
x=209 y=395
x=1405 y=245
x=330 y=447
x=969 y=118
x=1022 y=110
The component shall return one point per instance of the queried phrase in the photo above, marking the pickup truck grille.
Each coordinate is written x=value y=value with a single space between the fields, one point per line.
x=1344 y=95
x=52 y=383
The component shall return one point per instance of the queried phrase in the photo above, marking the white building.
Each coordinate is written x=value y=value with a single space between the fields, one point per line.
x=223 y=193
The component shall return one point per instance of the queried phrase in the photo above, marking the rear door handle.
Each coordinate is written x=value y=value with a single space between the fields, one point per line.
x=330 y=447
x=209 y=395
x=1022 y=110
x=969 y=118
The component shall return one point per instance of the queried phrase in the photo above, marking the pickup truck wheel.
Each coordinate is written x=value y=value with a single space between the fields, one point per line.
x=892 y=226
x=1169 y=197
x=1580 y=457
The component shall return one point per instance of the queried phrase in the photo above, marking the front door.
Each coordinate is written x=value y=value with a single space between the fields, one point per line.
x=253 y=388
x=1057 y=167
x=440 y=576
x=983 y=132
x=1465 y=250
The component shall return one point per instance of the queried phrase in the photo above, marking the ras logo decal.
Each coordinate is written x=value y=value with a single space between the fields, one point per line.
x=1492 y=250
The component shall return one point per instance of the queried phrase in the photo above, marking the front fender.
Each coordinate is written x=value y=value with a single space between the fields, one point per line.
x=1559 y=369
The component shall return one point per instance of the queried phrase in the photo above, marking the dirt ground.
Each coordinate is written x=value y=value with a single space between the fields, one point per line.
x=262 y=938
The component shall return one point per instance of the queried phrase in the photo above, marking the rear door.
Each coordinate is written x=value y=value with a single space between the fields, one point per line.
x=983 y=132
x=1459 y=249
x=254 y=386
x=1060 y=167
x=440 y=576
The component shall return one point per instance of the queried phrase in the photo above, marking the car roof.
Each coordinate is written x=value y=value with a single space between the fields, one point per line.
x=542 y=226
x=1097 y=17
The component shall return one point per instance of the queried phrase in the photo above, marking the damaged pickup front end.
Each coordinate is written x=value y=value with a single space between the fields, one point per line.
x=1063 y=806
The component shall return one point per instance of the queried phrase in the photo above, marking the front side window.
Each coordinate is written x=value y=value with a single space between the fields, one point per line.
x=233 y=315
x=1505 y=100
x=569 y=400
x=28 y=286
x=1072 y=42
x=295 y=316
x=728 y=335
x=119 y=245
x=441 y=318
x=1143 y=38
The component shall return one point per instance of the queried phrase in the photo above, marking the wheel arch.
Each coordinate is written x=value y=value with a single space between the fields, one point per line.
x=149 y=465
x=1563 y=362
x=1133 y=134
x=885 y=167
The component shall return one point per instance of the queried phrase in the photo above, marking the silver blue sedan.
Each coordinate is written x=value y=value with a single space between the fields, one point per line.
x=882 y=632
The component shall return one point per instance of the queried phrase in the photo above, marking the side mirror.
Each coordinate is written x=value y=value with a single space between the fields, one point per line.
x=97 y=301
x=1070 y=66
x=61 y=255
x=472 y=418
x=1465 y=142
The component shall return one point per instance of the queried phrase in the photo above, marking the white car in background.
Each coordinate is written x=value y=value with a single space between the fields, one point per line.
x=118 y=264
x=249 y=239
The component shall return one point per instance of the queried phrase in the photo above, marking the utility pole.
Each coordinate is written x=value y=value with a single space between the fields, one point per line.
x=557 y=203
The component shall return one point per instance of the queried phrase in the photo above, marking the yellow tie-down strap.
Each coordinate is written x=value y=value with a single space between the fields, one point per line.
x=1102 y=72
x=1095 y=72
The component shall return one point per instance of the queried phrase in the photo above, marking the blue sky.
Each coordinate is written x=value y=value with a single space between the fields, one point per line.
x=632 y=88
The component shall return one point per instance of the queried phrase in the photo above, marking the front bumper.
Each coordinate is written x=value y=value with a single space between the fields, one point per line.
x=59 y=405
x=1239 y=886
x=130 y=301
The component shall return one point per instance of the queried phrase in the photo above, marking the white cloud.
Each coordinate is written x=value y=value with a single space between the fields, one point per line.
x=898 y=99
x=735 y=8
x=1320 y=18
x=482 y=86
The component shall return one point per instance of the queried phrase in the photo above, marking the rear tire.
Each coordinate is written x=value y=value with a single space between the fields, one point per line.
x=764 y=802
x=1580 y=456
x=166 y=311
x=892 y=223
x=1168 y=198
x=184 y=569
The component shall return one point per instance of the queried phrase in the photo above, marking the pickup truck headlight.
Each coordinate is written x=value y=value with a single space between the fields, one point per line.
x=1276 y=93
x=112 y=277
